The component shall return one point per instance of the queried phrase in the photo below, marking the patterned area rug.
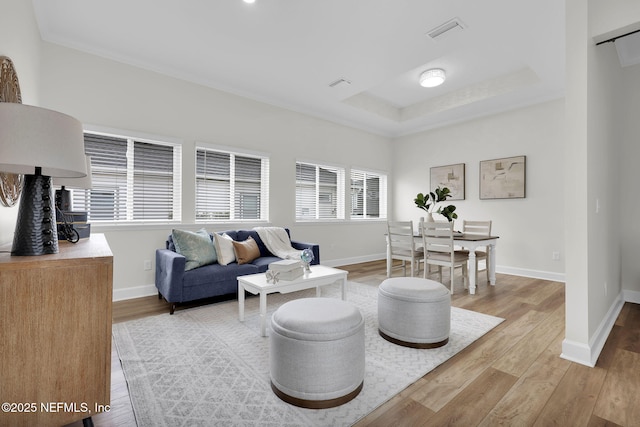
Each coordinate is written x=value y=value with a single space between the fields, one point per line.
x=203 y=367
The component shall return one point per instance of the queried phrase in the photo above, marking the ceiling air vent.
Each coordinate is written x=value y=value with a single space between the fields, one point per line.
x=339 y=82
x=440 y=30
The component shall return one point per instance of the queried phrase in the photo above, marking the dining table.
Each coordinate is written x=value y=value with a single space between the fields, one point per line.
x=471 y=242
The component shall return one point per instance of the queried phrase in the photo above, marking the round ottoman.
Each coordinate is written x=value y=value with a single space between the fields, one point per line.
x=316 y=352
x=414 y=312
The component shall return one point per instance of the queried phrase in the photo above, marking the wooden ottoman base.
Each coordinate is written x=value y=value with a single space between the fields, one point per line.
x=317 y=404
x=413 y=344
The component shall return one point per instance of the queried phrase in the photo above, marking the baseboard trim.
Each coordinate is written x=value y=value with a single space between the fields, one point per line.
x=134 y=292
x=588 y=354
x=535 y=274
x=354 y=260
x=577 y=352
x=631 y=296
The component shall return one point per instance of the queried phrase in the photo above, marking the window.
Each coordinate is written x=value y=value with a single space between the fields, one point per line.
x=319 y=192
x=231 y=186
x=132 y=180
x=368 y=195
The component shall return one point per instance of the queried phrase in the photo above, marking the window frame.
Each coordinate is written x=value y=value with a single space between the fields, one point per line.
x=233 y=152
x=130 y=182
x=382 y=194
x=319 y=195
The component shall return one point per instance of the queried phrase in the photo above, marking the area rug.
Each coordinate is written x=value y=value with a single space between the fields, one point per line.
x=203 y=367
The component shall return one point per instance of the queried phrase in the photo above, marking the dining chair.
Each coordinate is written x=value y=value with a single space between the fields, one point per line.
x=402 y=245
x=437 y=238
x=478 y=228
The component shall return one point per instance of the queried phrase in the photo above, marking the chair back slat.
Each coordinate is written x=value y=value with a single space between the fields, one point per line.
x=400 y=234
x=402 y=246
x=476 y=228
x=439 y=250
x=437 y=236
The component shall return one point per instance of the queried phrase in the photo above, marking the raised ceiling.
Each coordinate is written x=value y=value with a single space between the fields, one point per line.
x=355 y=62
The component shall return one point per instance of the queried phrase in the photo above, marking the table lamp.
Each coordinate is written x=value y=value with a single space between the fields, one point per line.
x=39 y=143
x=63 y=195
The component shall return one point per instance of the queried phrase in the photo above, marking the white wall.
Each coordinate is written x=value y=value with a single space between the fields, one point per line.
x=596 y=128
x=105 y=93
x=604 y=127
x=630 y=172
x=530 y=229
x=20 y=41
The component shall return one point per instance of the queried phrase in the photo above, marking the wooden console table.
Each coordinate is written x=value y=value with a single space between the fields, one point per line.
x=55 y=334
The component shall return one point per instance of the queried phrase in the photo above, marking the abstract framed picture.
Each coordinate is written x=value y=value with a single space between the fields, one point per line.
x=503 y=178
x=450 y=176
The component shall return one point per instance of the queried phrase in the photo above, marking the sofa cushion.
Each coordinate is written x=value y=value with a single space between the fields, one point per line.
x=246 y=251
x=196 y=247
x=214 y=274
x=224 y=248
x=245 y=234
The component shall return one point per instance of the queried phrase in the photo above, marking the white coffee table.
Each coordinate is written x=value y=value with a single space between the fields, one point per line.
x=319 y=275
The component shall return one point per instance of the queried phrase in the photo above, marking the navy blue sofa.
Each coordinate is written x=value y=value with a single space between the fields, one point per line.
x=177 y=286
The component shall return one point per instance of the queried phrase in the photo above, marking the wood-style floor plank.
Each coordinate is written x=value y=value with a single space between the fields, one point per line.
x=523 y=403
x=405 y=412
x=524 y=353
x=477 y=399
x=620 y=395
x=447 y=384
x=574 y=397
x=512 y=376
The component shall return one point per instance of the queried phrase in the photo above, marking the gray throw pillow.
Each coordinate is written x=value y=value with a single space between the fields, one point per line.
x=196 y=247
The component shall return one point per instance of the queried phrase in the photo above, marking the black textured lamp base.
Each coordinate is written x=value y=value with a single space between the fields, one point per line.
x=36 y=232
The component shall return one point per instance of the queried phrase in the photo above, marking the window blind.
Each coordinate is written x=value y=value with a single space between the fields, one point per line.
x=132 y=180
x=231 y=186
x=368 y=195
x=319 y=192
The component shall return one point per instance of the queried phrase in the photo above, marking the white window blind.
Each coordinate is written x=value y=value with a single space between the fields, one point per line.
x=132 y=180
x=368 y=195
x=231 y=186
x=319 y=192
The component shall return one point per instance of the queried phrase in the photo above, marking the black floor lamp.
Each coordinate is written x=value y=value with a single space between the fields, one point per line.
x=40 y=144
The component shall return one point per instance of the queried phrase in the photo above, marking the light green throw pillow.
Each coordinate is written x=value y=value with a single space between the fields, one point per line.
x=196 y=247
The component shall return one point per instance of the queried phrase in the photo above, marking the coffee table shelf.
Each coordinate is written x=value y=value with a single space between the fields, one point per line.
x=320 y=275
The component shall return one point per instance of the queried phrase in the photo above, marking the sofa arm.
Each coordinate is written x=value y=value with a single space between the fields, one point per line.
x=315 y=248
x=169 y=273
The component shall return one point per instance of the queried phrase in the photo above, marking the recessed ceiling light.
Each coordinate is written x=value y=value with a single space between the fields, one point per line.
x=432 y=78
x=249 y=1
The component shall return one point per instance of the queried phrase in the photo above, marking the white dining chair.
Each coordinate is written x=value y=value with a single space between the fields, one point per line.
x=437 y=238
x=402 y=245
x=479 y=228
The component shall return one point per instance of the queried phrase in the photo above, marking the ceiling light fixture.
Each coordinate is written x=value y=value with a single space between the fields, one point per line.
x=432 y=78
x=249 y=1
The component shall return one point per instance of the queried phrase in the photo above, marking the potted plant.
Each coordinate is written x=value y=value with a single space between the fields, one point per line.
x=428 y=203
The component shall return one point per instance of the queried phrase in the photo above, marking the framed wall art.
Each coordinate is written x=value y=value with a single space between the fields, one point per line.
x=503 y=178
x=450 y=176
x=10 y=183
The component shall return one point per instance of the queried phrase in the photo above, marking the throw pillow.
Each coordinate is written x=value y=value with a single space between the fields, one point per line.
x=224 y=248
x=196 y=247
x=246 y=251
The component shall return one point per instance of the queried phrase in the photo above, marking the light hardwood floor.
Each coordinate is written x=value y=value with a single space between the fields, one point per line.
x=512 y=376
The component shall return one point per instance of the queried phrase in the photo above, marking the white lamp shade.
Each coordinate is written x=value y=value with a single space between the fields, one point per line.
x=80 y=183
x=432 y=78
x=33 y=137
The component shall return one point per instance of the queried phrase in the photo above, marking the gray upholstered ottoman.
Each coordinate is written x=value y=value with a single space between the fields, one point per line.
x=414 y=312
x=316 y=352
